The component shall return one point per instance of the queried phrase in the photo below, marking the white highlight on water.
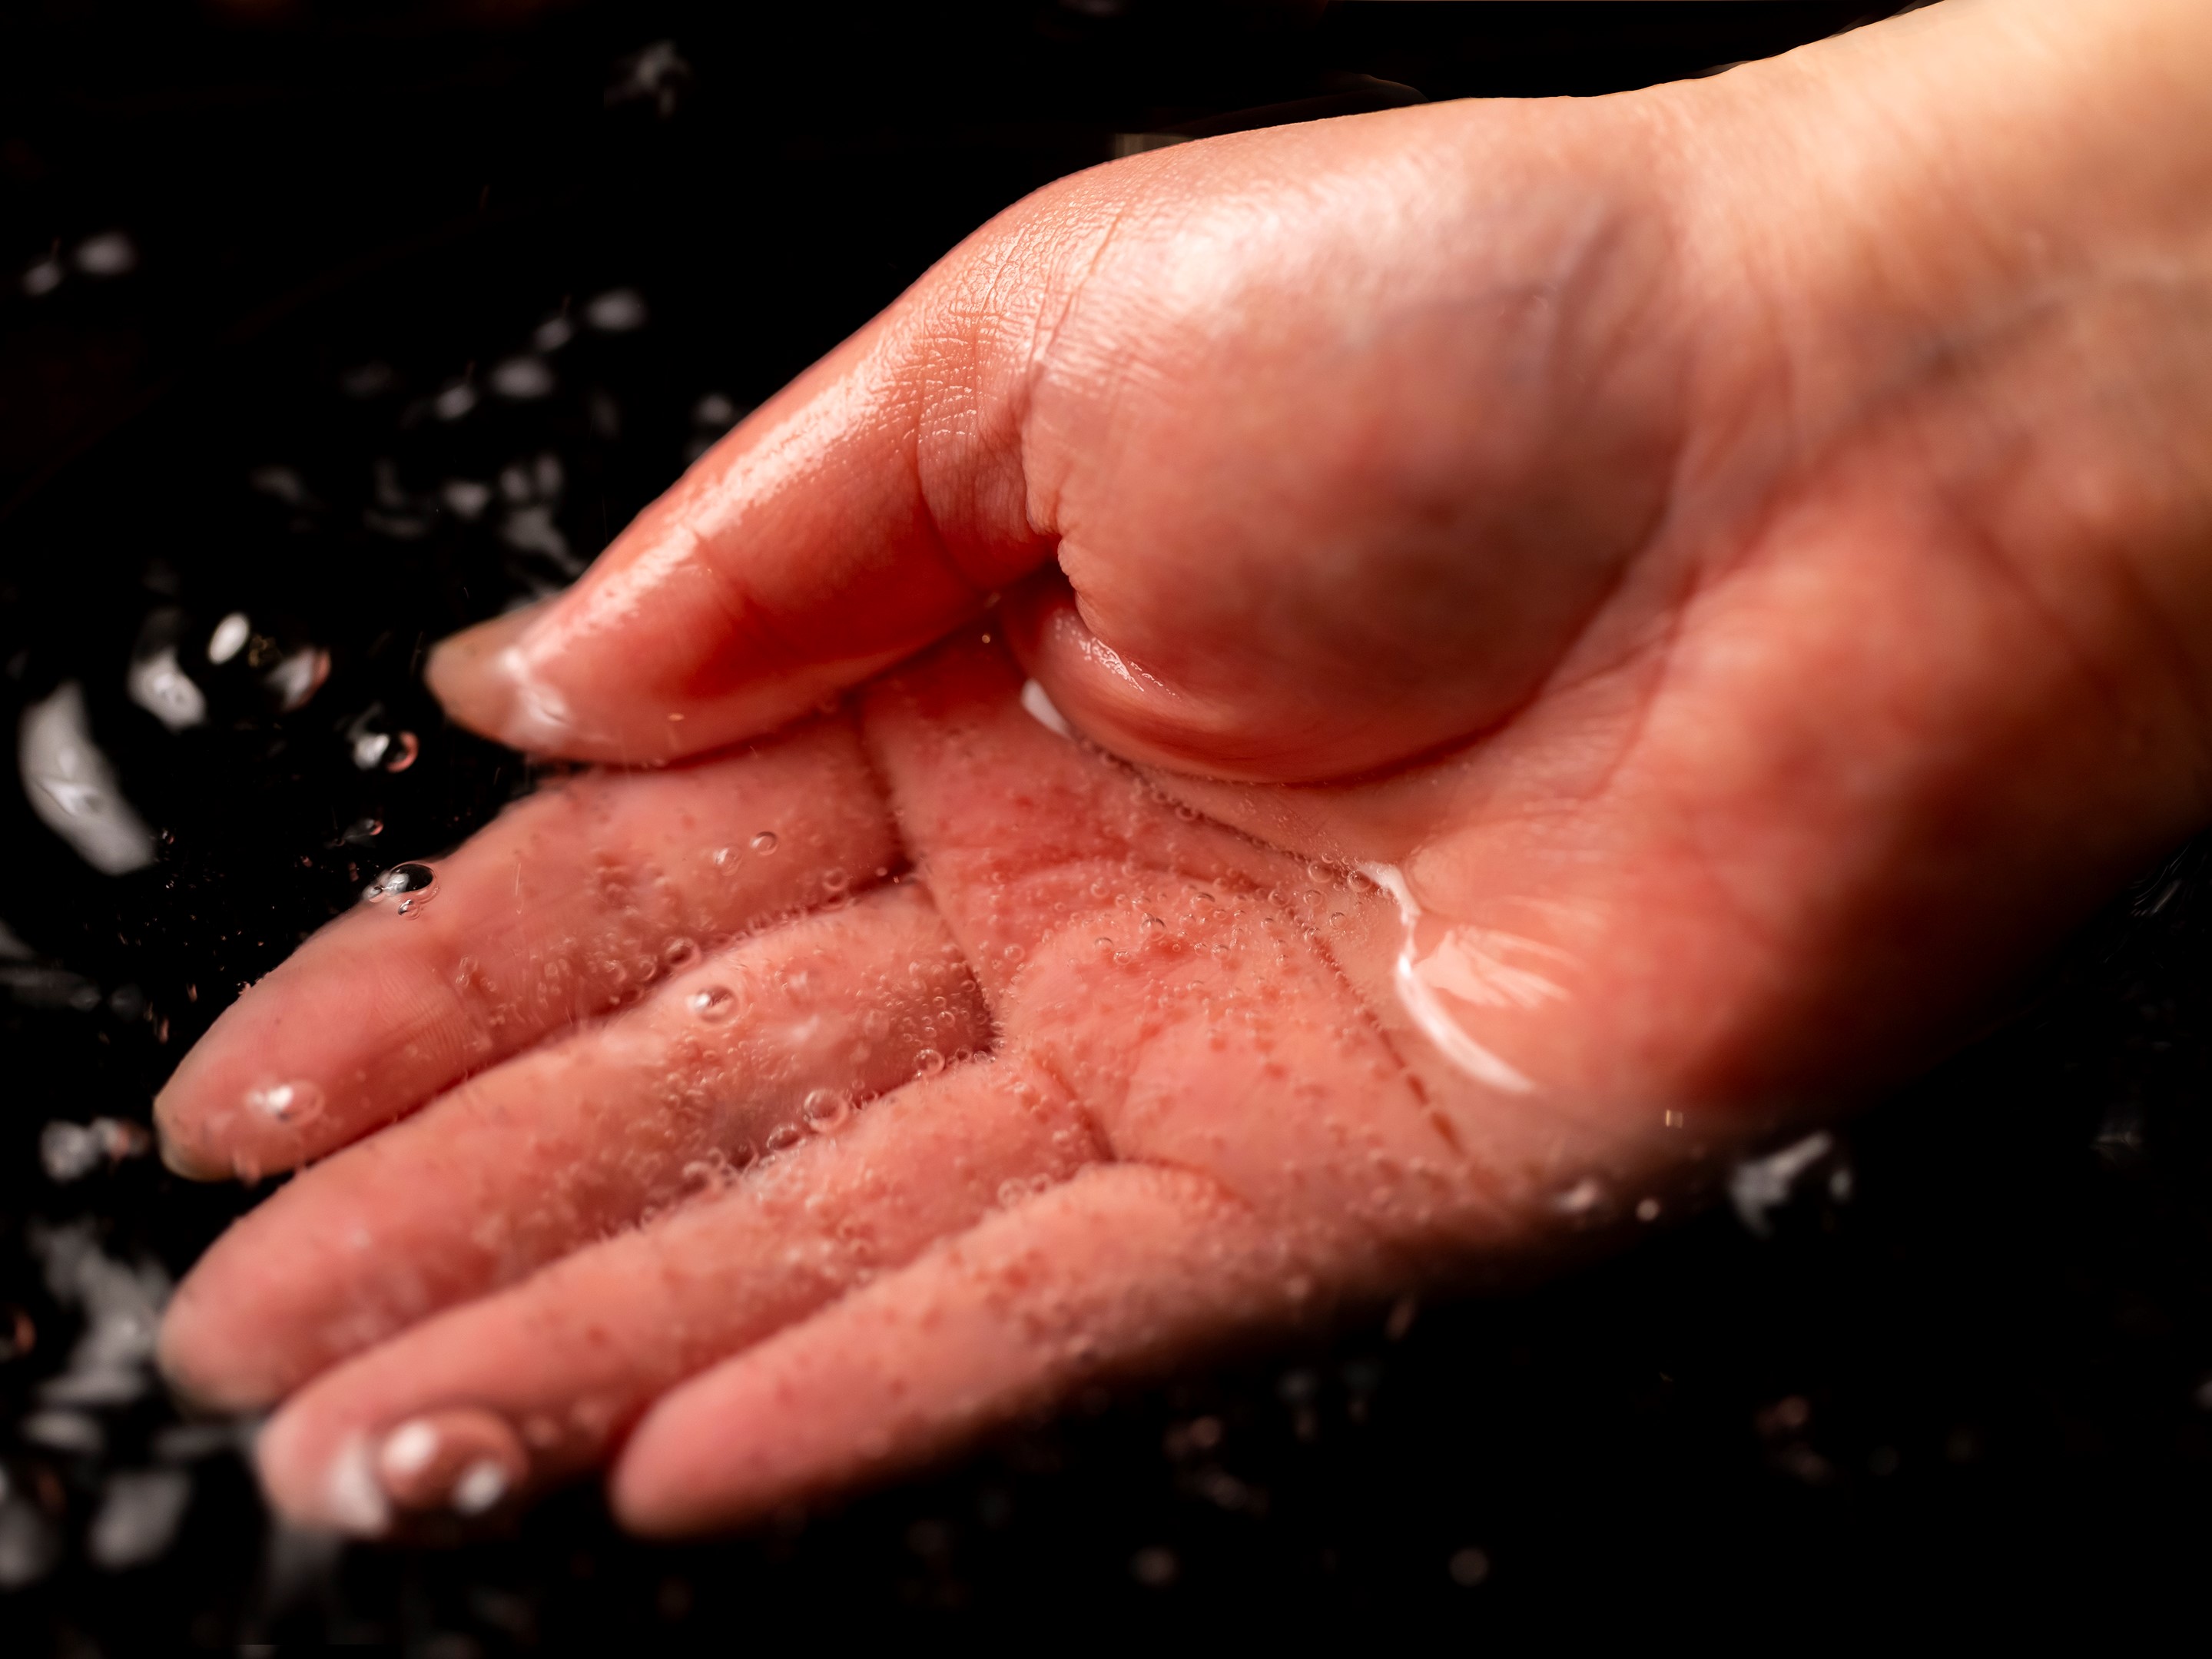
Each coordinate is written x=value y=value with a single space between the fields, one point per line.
x=229 y=637
x=351 y=1497
x=1417 y=989
x=72 y=787
x=482 y=1485
x=164 y=690
x=409 y=1449
x=1040 y=707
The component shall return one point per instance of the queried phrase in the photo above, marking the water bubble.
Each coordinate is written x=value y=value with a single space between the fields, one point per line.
x=1467 y=1568
x=617 y=311
x=1155 y=1568
x=43 y=278
x=1647 y=1209
x=161 y=688
x=229 y=637
x=453 y=401
x=299 y=676
x=678 y=954
x=825 y=1109
x=290 y=1102
x=138 y=1517
x=361 y=831
x=71 y=786
x=523 y=378
x=111 y=254
x=69 y=1152
x=368 y=380
x=713 y=1003
x=928 y=1063
x=30 y=1545
x=835 y=881
x=764 y=842
x=783 y=1139
x=411 y=883
x=723 y=855
x=402 y=753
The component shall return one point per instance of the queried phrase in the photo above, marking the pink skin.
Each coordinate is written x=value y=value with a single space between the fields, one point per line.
x=1732 y=556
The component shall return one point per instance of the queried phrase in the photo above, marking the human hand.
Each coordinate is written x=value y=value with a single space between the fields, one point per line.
x=1732 y=696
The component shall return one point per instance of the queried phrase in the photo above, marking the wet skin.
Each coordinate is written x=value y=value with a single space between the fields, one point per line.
x=1737 y=557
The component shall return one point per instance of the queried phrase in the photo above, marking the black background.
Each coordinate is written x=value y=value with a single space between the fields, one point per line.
x=1976 y=1382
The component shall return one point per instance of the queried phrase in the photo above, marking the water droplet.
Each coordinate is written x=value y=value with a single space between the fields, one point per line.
x=928 y=1063
x=714 y=1002
x=1468 y=1568
x=409 y=883
x=764 y=841
x=1014 y=953
x=616 y=312
x=835 y=881
x=293 y=1103
x=481 y=1486
x=825 y=1109
x=678 y=954
x=783 y=1139
x=723 y=855
x=229 y=637
x=401 y=755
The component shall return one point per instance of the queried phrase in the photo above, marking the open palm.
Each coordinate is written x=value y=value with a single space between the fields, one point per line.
x=1577 y=725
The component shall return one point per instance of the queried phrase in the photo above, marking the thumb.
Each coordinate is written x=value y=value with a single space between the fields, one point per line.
x=849 y=521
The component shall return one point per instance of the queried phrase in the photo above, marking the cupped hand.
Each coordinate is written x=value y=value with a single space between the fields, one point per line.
x=1632 y=619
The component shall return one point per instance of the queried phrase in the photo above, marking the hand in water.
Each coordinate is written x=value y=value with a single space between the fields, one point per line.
x=1631 y=618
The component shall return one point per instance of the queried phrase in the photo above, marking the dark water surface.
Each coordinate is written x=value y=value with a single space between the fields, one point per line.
x=362 y=326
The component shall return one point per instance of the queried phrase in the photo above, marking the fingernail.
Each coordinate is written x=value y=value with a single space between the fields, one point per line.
x=178 y=1157
x=466 y=1460
x=489 y=680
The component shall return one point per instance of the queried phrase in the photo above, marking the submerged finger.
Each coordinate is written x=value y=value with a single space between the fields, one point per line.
x=544 y=1378
x=1125 y=1266
x=567 y=905
x=738 y=1055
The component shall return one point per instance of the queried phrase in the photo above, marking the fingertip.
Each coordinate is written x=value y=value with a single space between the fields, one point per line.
x=487 y=682
x=318 y=1483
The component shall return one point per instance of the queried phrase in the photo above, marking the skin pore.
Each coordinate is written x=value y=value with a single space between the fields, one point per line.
x=1567 y=636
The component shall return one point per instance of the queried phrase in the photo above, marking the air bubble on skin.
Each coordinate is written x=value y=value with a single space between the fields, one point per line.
x=678 y=954
x=764 y=842
x=928 y=1063
x=782 y=1140
x=72 y=789
x=825 y=1109
x=1417 y=993
x=412 y=885
x=835 y=881
x=229 y=637
x=713 y=1003
x=288 y=1103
